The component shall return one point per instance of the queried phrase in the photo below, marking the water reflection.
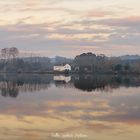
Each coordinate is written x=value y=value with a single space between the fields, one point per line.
x=104 y=82
x=11 y=85
x=9 y=89
x=62 y=78
x=50 y=104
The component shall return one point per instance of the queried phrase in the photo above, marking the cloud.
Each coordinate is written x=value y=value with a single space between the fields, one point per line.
x=98 y=13
x=62 y=27
x=56 y=36
x=123 y=22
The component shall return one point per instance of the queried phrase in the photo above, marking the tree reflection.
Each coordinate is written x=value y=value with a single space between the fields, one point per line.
x=9 y=89
x=12 y=85
x=89 y=83
x=104 y=82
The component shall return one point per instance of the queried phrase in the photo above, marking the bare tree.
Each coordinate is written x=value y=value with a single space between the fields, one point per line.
x=13 y=52
x=5 y=53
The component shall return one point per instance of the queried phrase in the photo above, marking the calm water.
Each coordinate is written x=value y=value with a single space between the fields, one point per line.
x=49 y=107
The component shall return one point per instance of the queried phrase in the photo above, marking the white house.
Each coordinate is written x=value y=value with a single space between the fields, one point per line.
x=62 y=68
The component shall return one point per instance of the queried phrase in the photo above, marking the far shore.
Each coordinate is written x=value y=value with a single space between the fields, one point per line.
x=72 y=72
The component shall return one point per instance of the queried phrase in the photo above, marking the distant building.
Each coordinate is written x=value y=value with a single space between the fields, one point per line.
x=66 y=67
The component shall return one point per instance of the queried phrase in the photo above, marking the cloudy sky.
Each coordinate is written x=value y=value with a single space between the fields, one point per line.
x=70 y=27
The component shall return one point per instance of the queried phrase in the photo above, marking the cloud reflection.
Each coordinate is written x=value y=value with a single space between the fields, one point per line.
x=36 y=114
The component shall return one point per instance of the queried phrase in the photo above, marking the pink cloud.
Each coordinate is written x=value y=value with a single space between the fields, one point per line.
x=98 y=13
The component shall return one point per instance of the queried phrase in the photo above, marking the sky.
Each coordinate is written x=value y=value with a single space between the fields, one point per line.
x=70 y=27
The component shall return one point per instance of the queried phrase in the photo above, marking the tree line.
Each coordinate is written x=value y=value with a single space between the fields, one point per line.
x=84 y=63
x=92 y=63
